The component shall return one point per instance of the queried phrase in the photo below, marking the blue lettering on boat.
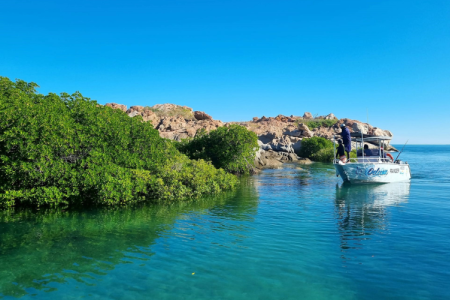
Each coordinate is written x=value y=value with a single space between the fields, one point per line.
x=377 y=172
x=372 y=171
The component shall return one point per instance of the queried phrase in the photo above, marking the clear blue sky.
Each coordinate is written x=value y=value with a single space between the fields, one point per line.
x=240 y=59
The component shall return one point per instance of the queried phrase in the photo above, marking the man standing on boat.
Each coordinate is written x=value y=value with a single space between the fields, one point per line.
x=346 y=139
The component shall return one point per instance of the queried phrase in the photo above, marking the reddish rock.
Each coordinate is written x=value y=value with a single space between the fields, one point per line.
x=117 y=106
x=137 y=108
x=200 y=115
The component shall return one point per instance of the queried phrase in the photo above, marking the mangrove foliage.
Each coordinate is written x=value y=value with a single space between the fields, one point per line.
x=67 y=149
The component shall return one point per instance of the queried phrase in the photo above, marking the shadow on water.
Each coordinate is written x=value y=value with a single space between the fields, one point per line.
x=55 y=245
x=362 y=210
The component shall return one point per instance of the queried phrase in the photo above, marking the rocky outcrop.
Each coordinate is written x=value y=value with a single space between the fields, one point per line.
x=280 y=138
x=178 y=128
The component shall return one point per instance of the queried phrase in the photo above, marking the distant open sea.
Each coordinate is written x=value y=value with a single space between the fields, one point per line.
x=292 y=233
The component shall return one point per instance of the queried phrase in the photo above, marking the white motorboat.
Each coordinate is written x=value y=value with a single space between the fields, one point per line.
x=372 y=165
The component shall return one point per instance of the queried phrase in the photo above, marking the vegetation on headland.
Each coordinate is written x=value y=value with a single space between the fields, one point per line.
x=316 y=123
x=178 y=111
x=232 y=148
x=66 y=149
x=319 y=149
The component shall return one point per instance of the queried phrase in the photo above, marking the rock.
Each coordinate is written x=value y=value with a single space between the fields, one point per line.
x=137 y=108
x=326 y=132
x=296 y=146
x=388 y=147
x=167 y=135
x=255 y=119
x=133 y=114
x=172 y=124
x=167 y=107
x=380 y=132
x=283 y=144
x=269 y=136
x=267 y=160
x=307 y=116
x=292 y=157
x=117 y=106
x=303 y=126
x=200 y=115
x=294 y=133
x=305 y=130
x=360 y=128
x=330 y=117
x=304 y=161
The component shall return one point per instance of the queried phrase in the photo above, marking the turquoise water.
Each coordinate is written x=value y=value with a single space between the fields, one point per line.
x=294 y=233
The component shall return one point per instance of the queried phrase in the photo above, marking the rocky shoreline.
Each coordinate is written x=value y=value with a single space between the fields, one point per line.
x=279 y=137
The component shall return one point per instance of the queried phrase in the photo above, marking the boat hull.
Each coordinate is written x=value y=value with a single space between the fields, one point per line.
x=373 y=172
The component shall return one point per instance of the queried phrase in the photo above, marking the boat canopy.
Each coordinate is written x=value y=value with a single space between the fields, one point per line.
x=368 y=138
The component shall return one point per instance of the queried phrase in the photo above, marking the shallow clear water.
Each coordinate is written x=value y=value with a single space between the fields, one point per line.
x=294 y=233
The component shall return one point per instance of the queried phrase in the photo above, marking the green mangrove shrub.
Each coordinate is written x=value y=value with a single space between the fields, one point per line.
x=67 y=149
x=232 y=148
x=311 y=146
x=319 y=149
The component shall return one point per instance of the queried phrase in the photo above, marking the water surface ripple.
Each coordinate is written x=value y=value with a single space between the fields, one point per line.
x=293 y=233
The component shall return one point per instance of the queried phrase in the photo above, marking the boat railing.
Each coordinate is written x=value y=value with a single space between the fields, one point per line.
x=366 y=159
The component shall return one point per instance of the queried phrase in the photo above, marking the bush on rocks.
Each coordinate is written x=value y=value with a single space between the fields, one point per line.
x=232 y=148
x=319 y=149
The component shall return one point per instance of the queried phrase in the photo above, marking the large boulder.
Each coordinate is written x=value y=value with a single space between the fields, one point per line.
x=305 y=130
x=330 y=116
x=269 y=136
x=117 y=106
x=283 y=144
x=307 y=116
x=267 y=160
x=136 y=108
x=380 y=132
x=360 y=128
x=200 y=115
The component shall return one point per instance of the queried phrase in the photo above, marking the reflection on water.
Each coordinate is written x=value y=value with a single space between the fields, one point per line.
x=58 y=246
x=362 y=210
x=291 y=233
